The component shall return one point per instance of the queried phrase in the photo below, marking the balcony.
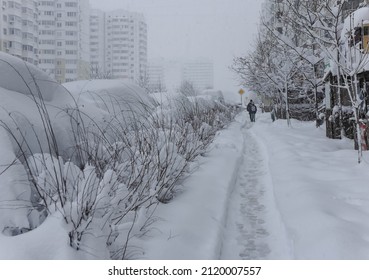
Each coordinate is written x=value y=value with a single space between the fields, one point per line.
x=15 y=24
x=15 y=52
x=30 y=54
x=15 y=38
x=28 y=41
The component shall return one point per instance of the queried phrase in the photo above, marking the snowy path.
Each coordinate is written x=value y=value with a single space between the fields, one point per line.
x=268 y=191
x=254 y=229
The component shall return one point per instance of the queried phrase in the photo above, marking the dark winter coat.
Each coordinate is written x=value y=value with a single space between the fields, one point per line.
x=251 y=108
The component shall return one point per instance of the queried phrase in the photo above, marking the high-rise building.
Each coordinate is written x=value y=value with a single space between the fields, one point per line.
x=97 y=44
x=200 y=73
x=19 y=29
x=118 y=47
x=69 y=43
x=125 y=45
x=2 y=26
x=64 y=35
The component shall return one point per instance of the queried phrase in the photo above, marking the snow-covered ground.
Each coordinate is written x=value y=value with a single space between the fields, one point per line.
x=268 y=191
x=263 y=191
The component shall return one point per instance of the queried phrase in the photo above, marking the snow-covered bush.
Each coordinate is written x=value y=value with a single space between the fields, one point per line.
x=116 y=167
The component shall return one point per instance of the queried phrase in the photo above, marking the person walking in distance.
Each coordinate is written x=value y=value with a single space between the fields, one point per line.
x=252 y=109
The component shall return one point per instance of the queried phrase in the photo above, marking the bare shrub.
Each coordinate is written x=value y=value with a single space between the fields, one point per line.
x=119 y=169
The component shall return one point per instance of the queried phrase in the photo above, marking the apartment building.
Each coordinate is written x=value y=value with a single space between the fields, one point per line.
x=200 y=73
x=97 y=44
x=69 y=41
x=118 y=44
x=125 y=45
x=64 y=38
x=19 y=29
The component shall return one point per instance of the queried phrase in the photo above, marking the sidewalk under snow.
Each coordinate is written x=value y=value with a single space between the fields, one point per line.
x=268 y=191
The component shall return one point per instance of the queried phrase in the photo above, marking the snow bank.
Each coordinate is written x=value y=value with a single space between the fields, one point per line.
x=110 y=96
x=23 y=77
x=48 y=241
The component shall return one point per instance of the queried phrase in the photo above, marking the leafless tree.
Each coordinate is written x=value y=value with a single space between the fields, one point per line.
x=187 y=88
x=96 y=73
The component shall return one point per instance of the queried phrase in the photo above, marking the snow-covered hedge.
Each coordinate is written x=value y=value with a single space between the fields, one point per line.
x=122 y=156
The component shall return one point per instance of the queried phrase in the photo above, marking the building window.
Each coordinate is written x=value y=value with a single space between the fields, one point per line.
x=71 y=43
x=27 y=48
x=70 y=52
x=47 y=3
x=48 y=52
x=71 y=23
x=70 y=33
x=47 y=22
x=71 y=4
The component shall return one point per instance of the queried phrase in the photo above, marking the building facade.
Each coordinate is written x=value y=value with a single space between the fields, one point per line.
x=64 y=39
x=125 y=45
x=19 y=29
x=97 y=44
x=69 y=41
x=118 y=47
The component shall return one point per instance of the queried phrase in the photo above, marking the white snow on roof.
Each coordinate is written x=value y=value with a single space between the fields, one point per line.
x=356 y=19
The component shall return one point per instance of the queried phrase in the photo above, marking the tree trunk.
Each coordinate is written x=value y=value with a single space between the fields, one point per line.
x=339 y=97
x=357 y=119
x=287 y=105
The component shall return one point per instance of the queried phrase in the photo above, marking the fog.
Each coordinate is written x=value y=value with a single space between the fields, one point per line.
x=191 y=29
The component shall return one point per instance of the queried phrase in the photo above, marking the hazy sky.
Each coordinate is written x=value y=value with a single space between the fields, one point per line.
x=188 y=29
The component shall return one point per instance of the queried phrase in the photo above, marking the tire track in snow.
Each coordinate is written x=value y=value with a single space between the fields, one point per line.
x=254 y=228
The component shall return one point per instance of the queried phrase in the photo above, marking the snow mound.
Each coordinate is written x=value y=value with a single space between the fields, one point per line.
x=23 y=77
x=215 y=95
x=110 y=95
